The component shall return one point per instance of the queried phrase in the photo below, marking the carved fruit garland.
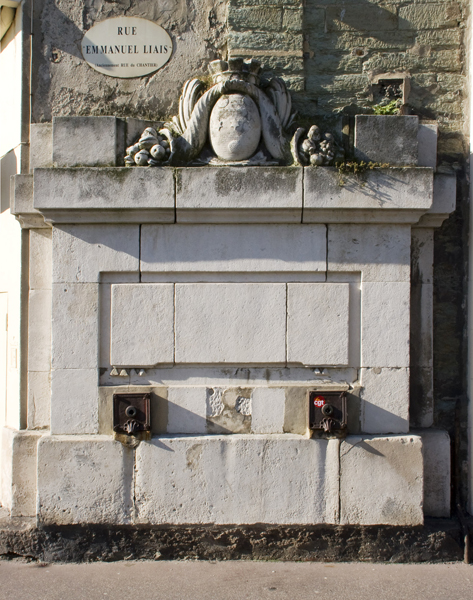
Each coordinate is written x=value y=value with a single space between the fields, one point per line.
x=239 y=111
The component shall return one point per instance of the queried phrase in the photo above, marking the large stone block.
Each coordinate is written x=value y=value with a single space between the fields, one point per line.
x=41 y=145
x=385 y=313
x=379 y=252
x=84 y=480
x=74 y=401
x=240 y=248
x=75 y=325
x=384 y=400
x=87 y=141
x=187 y=410
x=82 y=252
x=106 y=195
x=237 y=323
x=387 y=139
x=243 y=479
x=243 y=195
x=381 y=480
x=360 y=17
x=430 y=16
x=317 y=323
x=437 y=472
x=142 y=324
x=267 y=410
x=377 y=196
x=18 y=472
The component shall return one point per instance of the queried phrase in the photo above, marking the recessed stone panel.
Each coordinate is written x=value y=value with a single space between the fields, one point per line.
x=142 y=324
x=317 y=323
x=231 y=323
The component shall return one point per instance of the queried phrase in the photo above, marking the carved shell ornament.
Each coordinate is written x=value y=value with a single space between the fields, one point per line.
x=234 y=122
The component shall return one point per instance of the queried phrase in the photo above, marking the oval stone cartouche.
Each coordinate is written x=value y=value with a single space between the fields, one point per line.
x=235 y=127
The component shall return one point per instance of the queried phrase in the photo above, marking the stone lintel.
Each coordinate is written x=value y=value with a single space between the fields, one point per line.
x=235 y=195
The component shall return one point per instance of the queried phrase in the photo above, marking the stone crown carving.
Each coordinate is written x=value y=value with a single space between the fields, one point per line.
x=234 y=122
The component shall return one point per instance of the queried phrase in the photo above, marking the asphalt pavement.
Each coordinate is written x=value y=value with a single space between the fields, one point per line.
x=234 y=580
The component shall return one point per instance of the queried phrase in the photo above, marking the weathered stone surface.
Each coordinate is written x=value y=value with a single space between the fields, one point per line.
x=278 y=42
x=187 y=410
x=387 y=139
x=292 y=19
x=242 y=19
x=41 y=145
x=421 y=396
x=267 y=410
x=74 y=325
x=430 y=16
x=85 y=141
x=19 y=456
x=142 y=318
x=39 y=330
x=39 y=399
x=437 y=472
x=105 y=195
x=73 y=88
x=296 y=412
x=419 y=60
x=40 y=259
x=444 y=201
x=422 y=255
x=82 y=252
x=439 y=540
x=379 y=195
x=317 y=323
x=225 y=248
x=385 y=324
x=384 y=400
x=229 y=410
x=381 y=480
x=237 y=479
x=381 y=253
x=427 y=142
x=84 y=480
x=233 y=323
x=21 y=202
x=74 y=401
x=228 y=195
x=360 y=17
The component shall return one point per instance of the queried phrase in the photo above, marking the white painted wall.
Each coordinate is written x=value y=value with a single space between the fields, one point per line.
x=10 y=236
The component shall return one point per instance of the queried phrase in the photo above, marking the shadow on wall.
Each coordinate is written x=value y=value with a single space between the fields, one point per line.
x=348 y=44
x=8 y=167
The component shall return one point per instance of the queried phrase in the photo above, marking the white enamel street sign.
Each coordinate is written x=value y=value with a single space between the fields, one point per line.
x=126 y=47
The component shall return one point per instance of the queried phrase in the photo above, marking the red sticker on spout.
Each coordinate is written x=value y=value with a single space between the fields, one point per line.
x=319 y=401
